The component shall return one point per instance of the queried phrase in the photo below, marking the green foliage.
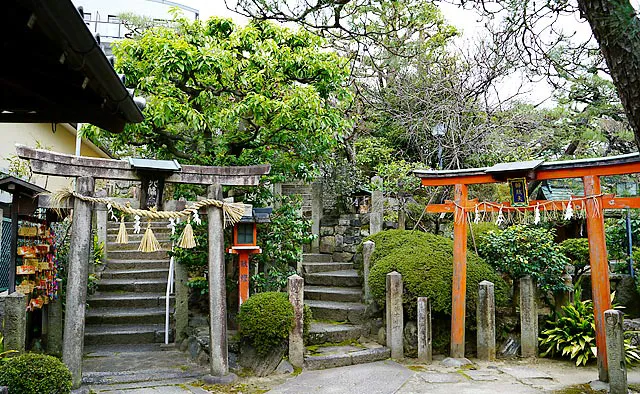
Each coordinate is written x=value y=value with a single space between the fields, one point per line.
x=220 y=94
x=521 y=250
x=265 y=320
x=199 y=284
x=425 y=262
x=616 y=236
x=577 y=251
x=573 y=335
x=198 y=257
x=478 y=232
x=32 y=373
x=282 y=239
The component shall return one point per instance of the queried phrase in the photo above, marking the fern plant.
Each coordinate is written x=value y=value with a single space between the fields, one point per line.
x=573 y=334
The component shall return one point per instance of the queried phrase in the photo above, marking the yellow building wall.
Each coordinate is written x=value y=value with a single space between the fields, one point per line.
x=63 y=140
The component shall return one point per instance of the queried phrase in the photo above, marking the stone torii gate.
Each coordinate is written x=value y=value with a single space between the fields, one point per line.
x=593 y=202
x=86 y=170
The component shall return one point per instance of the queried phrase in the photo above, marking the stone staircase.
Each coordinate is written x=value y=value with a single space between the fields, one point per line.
x=333 y=291
x=129 y=306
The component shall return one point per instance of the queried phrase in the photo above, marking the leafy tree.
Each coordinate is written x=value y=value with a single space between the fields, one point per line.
x=520 y=251
x=218 y=94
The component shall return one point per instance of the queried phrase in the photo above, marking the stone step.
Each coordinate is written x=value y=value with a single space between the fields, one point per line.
x=128 y=300
x=157 y=285
x=141 y=264
x=135 y=274
x=341 y=356
x=135 y=255
x=165 y=244
x=322 y=332
x=316 y=258
x=345 y=278
x=352 y=312
x=125 y=334
x=325 y=293
x=126 y=316
x=312 y=268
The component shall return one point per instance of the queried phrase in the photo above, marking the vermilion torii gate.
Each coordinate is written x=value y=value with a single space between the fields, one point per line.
x=86 y=170
x=593 y=202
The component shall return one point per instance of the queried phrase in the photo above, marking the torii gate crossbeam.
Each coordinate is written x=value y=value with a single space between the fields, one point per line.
x=593 y=202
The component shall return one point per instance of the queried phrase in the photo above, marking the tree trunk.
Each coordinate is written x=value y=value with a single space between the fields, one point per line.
x=617 y=30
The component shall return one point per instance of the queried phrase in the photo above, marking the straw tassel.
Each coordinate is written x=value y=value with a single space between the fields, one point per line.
x=149 y=242
x=123 y=237
x=187 y=241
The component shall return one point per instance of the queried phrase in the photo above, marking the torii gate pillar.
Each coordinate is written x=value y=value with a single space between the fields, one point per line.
x=459 y=285
x=599 y=268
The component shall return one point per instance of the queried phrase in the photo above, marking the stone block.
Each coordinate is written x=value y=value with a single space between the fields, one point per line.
x=367 y=249
x=284 y=368
x=327 y=361
x=410 y=339
x=355 y=223
x=528 y=318
x=15 y=322
x=615 y=352
x=341 y=229
x=328 y=221
x=485 y=313
x=344 y=222
x=342 y=257
x=327 y=244
x=295 y=288
x=394 y=314
x=424 y=334
x=350 y=248
x=349 y=240
x=261 y=365
x=326 y=231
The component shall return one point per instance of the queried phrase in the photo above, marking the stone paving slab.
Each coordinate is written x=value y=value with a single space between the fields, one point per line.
x=437 y=377
x=524 y=373
x=482 y=375
x=381 y=377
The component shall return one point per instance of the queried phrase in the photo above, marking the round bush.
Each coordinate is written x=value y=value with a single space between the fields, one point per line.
x=266 y=318
x=32 y=373
x=426 y=264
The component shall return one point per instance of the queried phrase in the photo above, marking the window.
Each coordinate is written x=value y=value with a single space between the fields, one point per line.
x=245 y=234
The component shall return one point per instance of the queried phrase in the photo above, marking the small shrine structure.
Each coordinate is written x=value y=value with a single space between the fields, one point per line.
x=86 y=171
x=518 y=174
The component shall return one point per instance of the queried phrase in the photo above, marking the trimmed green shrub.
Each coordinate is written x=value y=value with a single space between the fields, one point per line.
x=480 y=231
x=576 y=250
x=426 y=263
x=266 y=318
x=32 y=373
x=520 y=250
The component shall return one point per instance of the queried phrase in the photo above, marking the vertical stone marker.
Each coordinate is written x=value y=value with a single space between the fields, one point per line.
x=316 y=214
x=15 y=321
x=377 y=206
x=295 y=287
x=395 y=315
x=181 y=313
x=425 y=338
x=615 y=352
x=367 y=250
x=101 y=228
x=80 y=245
x=218 y=355
x=486 y=319
x=528 y=318
x=56 y=326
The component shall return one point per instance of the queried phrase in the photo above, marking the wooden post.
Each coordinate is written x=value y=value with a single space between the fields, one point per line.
x=459 y=286
x=219 y=357
x=80 y=246
x=599 y=268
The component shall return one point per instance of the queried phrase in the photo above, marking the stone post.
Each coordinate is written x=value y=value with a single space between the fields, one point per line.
x=615 y=352
x=367 y=250
x=181 y=313
x=218 y=355
x=295 y=287
x=425 y=338
x=101 y=227
x=528 y=318
x=79 y=250
x=395 y=324
x=15 y=321
x=486 y=320
x=564 y=297
x=54 y=331
x=316 y=214
x=377 y=206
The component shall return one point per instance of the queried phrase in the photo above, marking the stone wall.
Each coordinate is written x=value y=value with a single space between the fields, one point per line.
x=340 y=236
x=302 y=190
